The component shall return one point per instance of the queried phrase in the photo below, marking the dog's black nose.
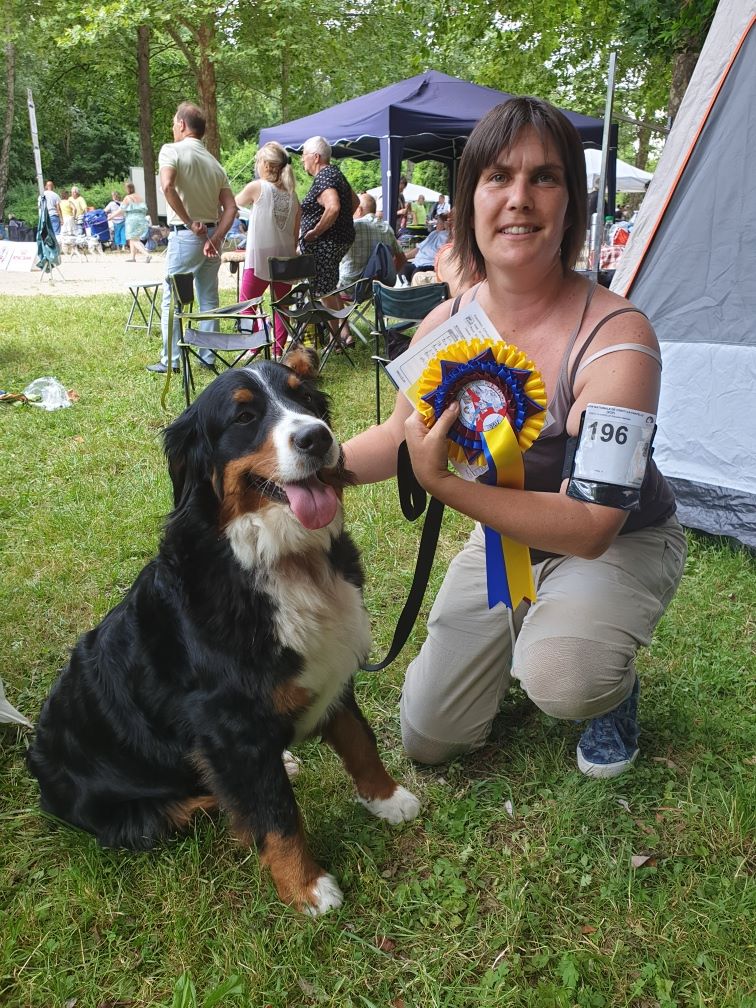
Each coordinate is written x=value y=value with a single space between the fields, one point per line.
x=315 y=439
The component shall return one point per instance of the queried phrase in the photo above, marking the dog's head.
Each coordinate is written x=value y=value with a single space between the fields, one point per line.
x=259 y=438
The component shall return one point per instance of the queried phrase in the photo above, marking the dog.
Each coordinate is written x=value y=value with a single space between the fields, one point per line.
x=238 y=640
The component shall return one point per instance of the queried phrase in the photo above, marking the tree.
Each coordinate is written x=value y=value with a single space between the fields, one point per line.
x=10 y=104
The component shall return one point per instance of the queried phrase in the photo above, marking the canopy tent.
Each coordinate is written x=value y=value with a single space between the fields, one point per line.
x=629 y=178
x=411 y=192
x=691 y=266
x=427 y=117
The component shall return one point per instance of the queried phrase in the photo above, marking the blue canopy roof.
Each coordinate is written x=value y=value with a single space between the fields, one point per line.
x=425 y=117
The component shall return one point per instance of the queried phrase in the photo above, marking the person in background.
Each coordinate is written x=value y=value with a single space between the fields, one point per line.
x=201 y=212
x=53 y=206
x=117 y=218
x=418 y=214
x=442 y=206
x=423 y=257
x=67 y=213
x=80 y=208
x=327 y=228
x=273 y=226
x=402 y=206
x=369 y=230
x=605 y=567
x=448 y=268
x=135 y=212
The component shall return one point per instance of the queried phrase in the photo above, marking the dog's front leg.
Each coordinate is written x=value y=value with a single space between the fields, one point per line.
x=252 y=785
x=352 y=738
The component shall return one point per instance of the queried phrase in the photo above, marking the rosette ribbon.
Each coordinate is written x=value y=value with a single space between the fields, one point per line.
x=502 y=403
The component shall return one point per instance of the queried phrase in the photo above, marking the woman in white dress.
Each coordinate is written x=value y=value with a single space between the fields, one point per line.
x=273 y=225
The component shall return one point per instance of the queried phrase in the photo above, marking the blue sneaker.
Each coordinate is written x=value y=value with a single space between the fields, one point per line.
x=609 y=744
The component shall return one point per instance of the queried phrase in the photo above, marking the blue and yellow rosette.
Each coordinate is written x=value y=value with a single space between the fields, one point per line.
x=502 y=403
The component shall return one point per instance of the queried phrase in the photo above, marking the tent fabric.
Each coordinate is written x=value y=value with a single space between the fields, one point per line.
x=691 y=266
x=48 y=251
x=629 y=178
x=411 y=192
x=427 y=117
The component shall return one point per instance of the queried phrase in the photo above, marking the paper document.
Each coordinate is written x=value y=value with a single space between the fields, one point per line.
x=469 y=323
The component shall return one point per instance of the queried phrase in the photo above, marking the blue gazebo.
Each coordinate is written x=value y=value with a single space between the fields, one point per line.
x=427 y=117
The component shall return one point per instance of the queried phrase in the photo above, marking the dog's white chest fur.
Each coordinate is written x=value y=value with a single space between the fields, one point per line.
x=317 y=613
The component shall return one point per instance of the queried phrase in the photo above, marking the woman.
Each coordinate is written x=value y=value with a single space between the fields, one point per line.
x=135 y=211
x=117 y=218
x=273 y=225
x=603 y=575
x=327 y=228
x=67 y=213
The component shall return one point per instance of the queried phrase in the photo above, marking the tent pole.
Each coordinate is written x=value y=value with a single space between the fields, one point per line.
x=35 y=141
x=597 y=223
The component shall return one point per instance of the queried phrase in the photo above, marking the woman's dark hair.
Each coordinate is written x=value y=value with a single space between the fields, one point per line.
x=499 y=130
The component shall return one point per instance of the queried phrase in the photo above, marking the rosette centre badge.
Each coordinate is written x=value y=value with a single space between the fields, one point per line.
x=502 y=402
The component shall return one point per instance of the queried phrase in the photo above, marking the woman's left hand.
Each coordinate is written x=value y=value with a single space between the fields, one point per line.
x=428 y=449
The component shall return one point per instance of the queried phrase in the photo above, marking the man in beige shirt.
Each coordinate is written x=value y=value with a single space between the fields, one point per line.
x=198 y=192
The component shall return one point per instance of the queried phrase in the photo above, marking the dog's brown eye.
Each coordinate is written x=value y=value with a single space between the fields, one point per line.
x=245 y=417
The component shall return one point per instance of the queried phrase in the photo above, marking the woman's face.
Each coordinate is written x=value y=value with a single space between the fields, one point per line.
x=520 y=204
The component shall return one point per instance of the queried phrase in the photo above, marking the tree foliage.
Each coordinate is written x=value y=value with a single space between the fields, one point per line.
x=260 y=62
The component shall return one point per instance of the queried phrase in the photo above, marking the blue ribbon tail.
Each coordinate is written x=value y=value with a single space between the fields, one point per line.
x=496 y=570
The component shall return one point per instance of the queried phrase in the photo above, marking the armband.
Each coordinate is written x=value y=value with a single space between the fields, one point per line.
x=611 y=456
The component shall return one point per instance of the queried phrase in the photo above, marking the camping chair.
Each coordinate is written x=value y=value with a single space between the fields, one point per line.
x=380 y=266
x=398 y=311
x=230 y=345
x=301 y=312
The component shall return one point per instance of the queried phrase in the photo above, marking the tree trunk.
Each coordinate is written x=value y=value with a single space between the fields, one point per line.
x=682 y=71
x=203 y=70
x=10 y=96
x=144 y=97
x=208 y=89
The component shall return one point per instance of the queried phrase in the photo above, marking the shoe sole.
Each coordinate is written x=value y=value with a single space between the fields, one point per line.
x=604 y=771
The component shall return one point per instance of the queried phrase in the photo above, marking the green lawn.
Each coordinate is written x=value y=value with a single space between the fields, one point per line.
x=467 y=906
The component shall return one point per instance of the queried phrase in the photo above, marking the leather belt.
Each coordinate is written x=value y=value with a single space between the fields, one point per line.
x=183 y=227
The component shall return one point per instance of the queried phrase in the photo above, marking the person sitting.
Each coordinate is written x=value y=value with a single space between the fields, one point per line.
x=443 y=206
x=424 y=256
x=448 y=268
x=368 y=232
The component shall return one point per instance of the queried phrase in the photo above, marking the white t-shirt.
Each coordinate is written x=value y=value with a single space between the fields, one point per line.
x=199 y=179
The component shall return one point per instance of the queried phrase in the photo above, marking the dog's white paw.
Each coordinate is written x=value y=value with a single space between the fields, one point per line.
x=292 y=766
x=400 y=807
x=326 y=896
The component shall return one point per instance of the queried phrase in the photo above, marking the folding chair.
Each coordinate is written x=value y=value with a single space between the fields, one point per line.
x=300 y=309
x=399 y=310
x=380 y=266
x=230 y=346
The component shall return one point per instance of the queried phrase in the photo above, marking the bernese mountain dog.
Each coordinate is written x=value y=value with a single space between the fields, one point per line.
x=238 y=640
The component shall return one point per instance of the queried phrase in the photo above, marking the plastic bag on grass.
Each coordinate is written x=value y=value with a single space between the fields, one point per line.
x=47 y=393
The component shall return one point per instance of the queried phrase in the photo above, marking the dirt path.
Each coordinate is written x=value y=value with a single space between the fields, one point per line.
x=108 y=273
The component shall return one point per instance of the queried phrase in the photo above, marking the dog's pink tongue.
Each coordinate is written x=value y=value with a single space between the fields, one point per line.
x=314 y=503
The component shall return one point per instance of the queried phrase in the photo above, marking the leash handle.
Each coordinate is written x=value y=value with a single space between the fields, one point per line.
x=413 y=499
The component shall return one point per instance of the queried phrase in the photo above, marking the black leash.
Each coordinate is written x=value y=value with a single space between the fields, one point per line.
x=413 y=499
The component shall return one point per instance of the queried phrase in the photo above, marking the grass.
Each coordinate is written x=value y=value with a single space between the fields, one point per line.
x=469 y=905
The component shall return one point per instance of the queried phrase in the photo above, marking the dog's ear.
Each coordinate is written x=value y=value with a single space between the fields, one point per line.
x=304 y=362
x=186 y=449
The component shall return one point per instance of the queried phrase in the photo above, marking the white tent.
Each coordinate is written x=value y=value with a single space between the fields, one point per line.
x=411 y=192
x=629 y=178
x=691 y=266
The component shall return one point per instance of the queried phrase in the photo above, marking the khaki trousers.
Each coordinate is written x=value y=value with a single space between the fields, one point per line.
x=574 y=648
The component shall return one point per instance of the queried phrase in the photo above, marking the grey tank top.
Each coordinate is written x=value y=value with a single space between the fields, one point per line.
x=544 y=461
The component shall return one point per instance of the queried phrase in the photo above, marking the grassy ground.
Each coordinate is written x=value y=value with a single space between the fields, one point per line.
x=477 y=903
